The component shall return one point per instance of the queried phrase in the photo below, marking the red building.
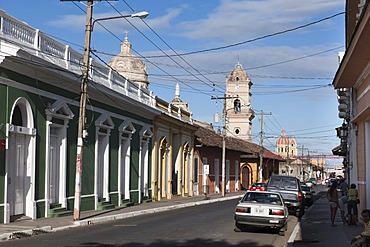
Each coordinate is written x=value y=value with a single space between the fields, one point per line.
x=242 y=162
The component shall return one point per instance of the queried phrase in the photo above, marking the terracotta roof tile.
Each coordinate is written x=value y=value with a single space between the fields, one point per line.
x=209 y=137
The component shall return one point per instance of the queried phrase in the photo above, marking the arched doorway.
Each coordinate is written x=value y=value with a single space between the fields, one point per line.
x=20 y=162
x=245 y=177
x=164 y=181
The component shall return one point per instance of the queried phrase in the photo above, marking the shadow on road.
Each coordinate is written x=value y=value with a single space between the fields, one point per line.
x=194 y=242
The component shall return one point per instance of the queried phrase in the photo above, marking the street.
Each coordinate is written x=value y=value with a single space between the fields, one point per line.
x=203 y=225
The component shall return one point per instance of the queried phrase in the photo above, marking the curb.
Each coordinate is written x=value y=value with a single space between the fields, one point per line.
x=26 y=233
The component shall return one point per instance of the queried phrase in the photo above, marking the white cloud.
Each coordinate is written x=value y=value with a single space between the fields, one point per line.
x=164 y=22
x=117 y=25
x=247 y=19
x=72 y=22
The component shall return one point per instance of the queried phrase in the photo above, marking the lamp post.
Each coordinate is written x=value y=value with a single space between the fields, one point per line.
x=141 y=15
x=82 y=110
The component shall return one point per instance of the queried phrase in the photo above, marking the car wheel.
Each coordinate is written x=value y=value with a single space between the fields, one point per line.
x=299 y=213
x=282 y=232
x=237 y=228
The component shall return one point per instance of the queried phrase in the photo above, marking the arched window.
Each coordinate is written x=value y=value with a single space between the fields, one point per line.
x=17 y=116
x=237 y=106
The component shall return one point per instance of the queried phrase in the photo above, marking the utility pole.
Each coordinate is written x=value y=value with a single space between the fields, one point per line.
x=302 y=171
x=260 y=171
x=224 y=115
x=82 y=110
x=224 y=112
x=81 y=119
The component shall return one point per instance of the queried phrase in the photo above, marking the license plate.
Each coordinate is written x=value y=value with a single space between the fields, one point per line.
x=274 y=221
x=259 y=211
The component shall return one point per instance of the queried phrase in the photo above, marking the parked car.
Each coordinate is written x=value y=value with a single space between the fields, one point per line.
x=261 y=209
x=308 y=195
x=290 y=189
x=258 y=187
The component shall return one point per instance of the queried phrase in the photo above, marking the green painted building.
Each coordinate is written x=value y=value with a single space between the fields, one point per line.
x=40 y=81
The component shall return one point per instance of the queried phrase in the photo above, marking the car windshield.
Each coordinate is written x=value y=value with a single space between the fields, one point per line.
x=283 y=183
x=264 y=198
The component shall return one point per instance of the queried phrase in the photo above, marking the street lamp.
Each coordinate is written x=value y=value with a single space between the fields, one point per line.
x=141 y=15
x=82 y=110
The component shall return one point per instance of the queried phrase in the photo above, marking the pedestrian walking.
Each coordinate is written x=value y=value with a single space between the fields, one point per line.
x=363 y=238
x=332 y=196
x=352 y=205
x=342 y=203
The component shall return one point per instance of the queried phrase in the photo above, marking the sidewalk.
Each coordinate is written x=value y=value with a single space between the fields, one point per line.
x=315 y=228
x=28 y=227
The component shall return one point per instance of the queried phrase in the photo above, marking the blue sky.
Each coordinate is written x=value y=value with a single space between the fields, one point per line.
x=288 y=47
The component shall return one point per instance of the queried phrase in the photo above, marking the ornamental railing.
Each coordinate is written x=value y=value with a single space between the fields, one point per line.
x=38 y=44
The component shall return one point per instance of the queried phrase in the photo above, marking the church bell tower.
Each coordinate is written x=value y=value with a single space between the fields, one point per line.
x=238 y=104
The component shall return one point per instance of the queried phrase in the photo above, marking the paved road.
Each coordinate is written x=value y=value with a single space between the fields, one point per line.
x=204 y=225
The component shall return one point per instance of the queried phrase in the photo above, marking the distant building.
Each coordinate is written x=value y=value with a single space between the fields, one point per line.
x=294 y=165
x=286 y=146
x=241 y=161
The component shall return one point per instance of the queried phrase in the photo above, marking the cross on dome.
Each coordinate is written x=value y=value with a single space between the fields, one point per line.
x=126 y=35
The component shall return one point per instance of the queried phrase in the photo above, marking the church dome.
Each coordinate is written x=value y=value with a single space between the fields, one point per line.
x=282 y=140
x=130 y=66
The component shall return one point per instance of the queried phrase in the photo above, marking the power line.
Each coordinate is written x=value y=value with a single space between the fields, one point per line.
x=148 y=61
x=293 y=91
x=167 y=55
x=248 y=68
x=259 y=38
